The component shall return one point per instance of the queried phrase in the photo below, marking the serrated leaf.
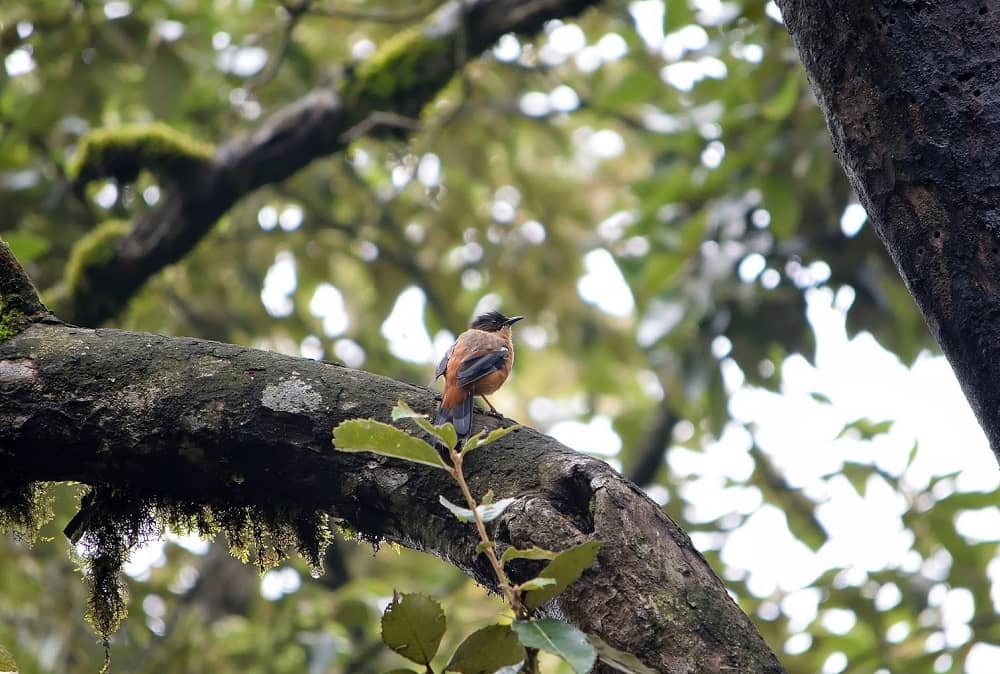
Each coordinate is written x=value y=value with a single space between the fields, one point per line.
x=7 y=663
x=487 y=513
x=537 y=583
x=556 y=637
x=413 y=625
x=530 y=553
x=487 y=650
x=620 y=660
x=368 y=435
x=477 y=440
x=565 y=568
x=445 y=433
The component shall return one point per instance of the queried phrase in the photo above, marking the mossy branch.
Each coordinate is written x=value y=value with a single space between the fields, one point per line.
x=19 y=301
x=396 y=84
x=123 y=152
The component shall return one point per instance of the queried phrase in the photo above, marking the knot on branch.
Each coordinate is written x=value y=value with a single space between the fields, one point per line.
x=123 y=152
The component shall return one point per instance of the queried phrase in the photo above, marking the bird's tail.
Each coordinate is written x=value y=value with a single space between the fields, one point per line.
x=460 y=415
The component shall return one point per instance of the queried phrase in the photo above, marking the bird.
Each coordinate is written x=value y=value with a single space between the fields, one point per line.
x=478 y=363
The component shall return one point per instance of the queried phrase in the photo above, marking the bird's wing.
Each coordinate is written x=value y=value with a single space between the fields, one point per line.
x=443 y=365
x=478 y=365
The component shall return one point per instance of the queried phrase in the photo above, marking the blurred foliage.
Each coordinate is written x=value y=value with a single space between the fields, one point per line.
x=652 y=185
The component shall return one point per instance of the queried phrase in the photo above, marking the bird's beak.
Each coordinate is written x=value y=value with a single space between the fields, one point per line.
x=513 y=320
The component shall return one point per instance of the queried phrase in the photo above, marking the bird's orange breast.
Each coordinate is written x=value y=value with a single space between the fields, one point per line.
x=492 y=381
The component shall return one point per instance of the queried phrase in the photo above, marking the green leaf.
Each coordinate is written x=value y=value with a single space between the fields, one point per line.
x=368 y=435
x=487 y=497
x=26 y=246
x=866 y=428
x=537 y=583
x=487 y=513
x=7 y=663
x=478 y=440
x=620 y=660
x=556 y=637
x=413 y=625
x=783 y=102
x=820 y=398
x=782 y=201
x=445 y=433
x=487 y=650
x=400 y=671
x=530 y=553
x=565 y=568
x=484 y=546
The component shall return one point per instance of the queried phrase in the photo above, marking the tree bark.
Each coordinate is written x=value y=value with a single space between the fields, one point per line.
x=909 y=91
x=184 y=419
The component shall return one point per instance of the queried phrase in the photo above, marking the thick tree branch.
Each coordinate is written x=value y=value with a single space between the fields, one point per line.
x=188 y=420
x=911 y=98
x=399 y=79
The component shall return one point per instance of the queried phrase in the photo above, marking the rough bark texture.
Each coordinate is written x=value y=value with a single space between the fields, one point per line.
x=401 y=78
x=909 y=90
x=219 y=424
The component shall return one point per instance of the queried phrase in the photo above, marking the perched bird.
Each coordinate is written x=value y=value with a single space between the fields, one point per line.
x=477 y=363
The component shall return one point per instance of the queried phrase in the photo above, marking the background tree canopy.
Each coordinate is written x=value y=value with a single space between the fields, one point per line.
x=650 y=183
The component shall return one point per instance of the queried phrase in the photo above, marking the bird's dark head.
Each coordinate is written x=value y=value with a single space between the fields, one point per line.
x=493 y=321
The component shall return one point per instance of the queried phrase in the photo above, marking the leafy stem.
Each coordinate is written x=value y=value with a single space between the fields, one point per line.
x=510 y=592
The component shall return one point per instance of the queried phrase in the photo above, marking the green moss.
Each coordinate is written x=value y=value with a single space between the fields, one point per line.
x=24 y=508
x=12 y=321
x=93 y=249
x=119 y=521
x=121 y=153
x=406 y=73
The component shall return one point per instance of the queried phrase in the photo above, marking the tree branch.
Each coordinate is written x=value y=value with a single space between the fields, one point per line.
x=183 y=420
x=911 y=101
x=19 y=302
x=396 y=82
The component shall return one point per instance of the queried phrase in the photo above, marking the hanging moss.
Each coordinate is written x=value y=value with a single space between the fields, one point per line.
x=121 y=153
x=24 y=508
x=117 y=522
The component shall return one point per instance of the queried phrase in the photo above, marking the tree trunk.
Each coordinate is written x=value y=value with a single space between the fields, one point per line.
x=169 y=419
x=909 y=91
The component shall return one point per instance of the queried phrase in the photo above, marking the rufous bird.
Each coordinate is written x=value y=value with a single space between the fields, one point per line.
x=477 y=364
